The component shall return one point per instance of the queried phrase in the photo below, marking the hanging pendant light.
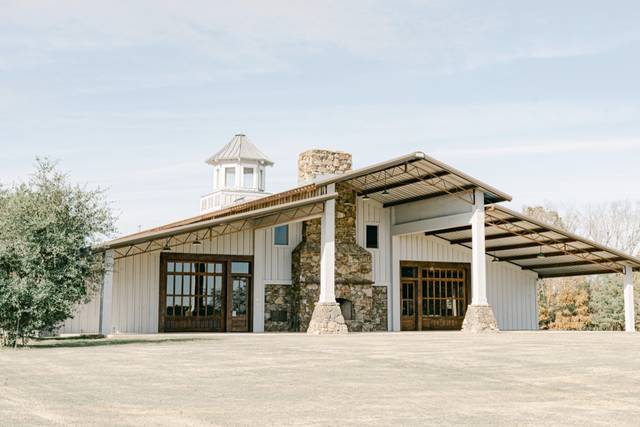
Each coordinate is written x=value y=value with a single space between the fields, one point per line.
x=365 y=196
x=385 y=192
x=541 y=255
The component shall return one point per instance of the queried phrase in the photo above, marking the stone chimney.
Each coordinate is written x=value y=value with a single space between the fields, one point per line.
x=353 y=268
x=313 y=164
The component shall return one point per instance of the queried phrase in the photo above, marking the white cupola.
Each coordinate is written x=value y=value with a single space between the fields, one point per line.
x=239 y=171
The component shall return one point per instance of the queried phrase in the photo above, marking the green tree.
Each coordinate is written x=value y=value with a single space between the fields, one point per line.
x=607 y=304
x=47 y=227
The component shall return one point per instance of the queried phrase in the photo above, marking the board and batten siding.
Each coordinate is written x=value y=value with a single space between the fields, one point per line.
x=86 y=319
x=276 y=266
x=136 y=284
x=371 y=212
x=510 y=291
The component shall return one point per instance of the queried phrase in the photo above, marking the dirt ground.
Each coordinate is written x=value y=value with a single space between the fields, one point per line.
x=441 y=378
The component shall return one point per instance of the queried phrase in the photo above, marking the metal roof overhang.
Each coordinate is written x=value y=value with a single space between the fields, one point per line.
x=412 y=178
x=402 y=180
x=188 y=231
x=544 y=249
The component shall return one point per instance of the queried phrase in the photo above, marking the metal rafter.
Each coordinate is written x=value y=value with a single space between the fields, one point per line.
x=299 y=213
x=565 y=247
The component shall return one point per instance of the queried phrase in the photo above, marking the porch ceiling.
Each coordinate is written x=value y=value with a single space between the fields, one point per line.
x=517 y=239
x=411 y=178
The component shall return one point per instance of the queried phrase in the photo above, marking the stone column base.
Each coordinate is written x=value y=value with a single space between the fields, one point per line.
x=327 y=320
x=479 y=318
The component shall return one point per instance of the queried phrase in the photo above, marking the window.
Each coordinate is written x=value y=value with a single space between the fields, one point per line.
x=281 y=235
x=372 y=237
x=217 y=184
x=247 y=178
x=230 y=177
x=240 y=267
x=194 y=290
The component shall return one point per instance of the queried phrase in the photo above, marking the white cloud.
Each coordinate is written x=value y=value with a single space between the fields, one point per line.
x=257 y=36
x=547 y=146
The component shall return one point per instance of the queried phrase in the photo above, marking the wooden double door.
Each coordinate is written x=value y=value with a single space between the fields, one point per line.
x=433 y=296
x=205 y=293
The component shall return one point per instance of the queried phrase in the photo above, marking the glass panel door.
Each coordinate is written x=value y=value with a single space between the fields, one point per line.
x=240 y=299
x=408 y=306
x=205 y=293
x=441 y=298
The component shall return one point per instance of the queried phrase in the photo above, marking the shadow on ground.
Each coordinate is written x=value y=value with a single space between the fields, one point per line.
x=98 y=341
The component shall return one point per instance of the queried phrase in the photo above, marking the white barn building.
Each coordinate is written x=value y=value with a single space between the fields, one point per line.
x=407 y=244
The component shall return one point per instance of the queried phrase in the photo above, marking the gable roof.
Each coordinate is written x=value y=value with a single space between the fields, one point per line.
x=514 y=238
x=239 y=148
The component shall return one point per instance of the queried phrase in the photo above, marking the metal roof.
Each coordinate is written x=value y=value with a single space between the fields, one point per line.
x=542 y=248
x=294 y=205
x=239 y=148
x=413 y=177
x=510 y=237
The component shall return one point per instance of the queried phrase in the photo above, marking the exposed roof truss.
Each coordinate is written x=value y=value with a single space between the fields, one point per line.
x=531 y=245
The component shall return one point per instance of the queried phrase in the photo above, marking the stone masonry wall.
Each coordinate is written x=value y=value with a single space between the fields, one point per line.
x=278 y=308
x=380 y=313
x=315 y=163
x=353 y=271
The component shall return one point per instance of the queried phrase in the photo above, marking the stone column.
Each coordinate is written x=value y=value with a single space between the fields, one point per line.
x=479 y=316
x=327 y=317
x=629 y=310
x=106 y=294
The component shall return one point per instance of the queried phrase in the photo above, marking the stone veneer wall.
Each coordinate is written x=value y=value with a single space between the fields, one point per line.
x=278 y=299
x=380 y=308
x=353 y=270
x=314 y=163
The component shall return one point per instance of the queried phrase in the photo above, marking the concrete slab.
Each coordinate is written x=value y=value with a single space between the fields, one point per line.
x=508 y=378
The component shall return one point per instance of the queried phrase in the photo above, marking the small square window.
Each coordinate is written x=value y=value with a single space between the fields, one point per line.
x=372 y=237
x=281 y=235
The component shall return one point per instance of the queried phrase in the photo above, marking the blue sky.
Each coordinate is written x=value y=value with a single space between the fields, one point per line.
x=540 y=99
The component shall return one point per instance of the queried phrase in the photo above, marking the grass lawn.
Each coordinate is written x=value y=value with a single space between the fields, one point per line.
x=512 y=378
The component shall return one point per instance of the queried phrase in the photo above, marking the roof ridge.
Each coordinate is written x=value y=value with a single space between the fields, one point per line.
x=239 y=148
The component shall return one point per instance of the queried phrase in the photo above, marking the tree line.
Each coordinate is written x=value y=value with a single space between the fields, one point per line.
x=590 y=302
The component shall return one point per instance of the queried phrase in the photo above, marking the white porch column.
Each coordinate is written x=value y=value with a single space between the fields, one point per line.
x=478 y=265
x=395 y=284
x=259 y=247
x=327 y=318
x=629 y=310
x=106 y=294
x=328 y=250
x=479 y=316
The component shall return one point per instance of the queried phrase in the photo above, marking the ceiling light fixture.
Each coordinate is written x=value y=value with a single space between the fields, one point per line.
x=385 y=192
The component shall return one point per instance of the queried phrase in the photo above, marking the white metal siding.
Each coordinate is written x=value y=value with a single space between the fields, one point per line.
x=277 y=259
x=136 y=287
x=510 y=291
x=86 y=320
x=371 y=212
